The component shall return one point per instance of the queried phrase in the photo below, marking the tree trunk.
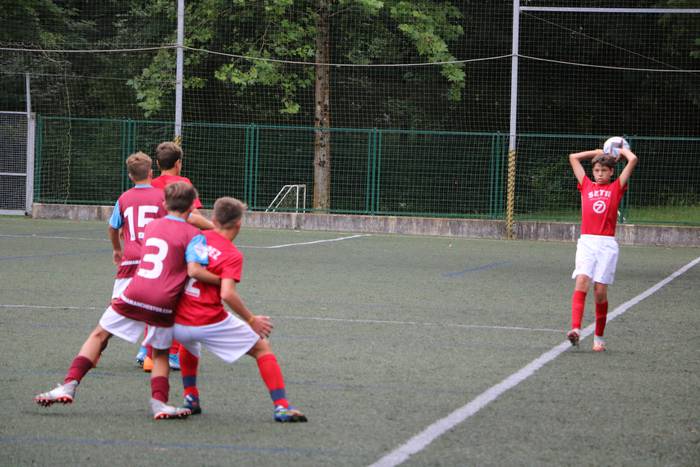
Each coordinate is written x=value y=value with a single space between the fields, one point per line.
x=322 y=113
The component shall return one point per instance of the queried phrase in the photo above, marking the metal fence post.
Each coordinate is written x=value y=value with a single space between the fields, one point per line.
x=378 y=169
x=369 y=191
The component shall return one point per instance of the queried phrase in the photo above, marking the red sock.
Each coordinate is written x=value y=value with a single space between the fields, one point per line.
x=601 y=317
x=78 y=368
x=174 y=348
x=160 y=387
x=272 y=376
x=149 y=352
x=578 y=303
x=188 y=368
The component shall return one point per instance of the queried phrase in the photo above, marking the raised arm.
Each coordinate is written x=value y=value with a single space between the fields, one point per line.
x=575 y=161
x=629 y=167
x=260 y=324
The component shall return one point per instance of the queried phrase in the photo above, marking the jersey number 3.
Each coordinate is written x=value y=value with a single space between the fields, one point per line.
x=156 y=259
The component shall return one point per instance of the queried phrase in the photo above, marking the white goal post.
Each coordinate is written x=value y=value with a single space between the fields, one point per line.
x=298 y=197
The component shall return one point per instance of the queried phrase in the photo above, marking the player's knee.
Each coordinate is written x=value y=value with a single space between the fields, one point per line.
x=260 y=349
x=582 y=282
x=101 y=334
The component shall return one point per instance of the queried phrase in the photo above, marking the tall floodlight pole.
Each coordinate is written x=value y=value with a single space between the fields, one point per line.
x=179 y=69
x=510 y=193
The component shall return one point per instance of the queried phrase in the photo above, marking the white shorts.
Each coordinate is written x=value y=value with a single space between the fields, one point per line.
x=596 y=257
x=229 y=339
x=131 y=330
x=120 y=286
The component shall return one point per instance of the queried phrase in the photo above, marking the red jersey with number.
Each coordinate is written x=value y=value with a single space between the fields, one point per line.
x=151 y=296
x=201 y=303
x=599 y=205
x=165 y=180
x=134 y=209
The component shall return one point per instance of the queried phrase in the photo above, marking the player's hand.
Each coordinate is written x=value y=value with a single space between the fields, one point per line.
x=262 y=325
x=117 y=257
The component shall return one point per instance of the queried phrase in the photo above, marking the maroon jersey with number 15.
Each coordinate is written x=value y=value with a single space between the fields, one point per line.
x=134 y=209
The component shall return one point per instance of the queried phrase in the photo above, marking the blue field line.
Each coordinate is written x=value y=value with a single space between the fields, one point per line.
x=38 y=440
x=476 y=269
x=53 y=255
x=231 y=378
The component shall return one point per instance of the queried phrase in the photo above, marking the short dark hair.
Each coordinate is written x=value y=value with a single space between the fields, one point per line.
x=228 y=210
x=179 y=196
x=138 y=165
x=167 y=154
x=606 y=160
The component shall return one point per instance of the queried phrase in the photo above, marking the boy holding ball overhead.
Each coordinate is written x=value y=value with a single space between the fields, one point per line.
x=597 y=249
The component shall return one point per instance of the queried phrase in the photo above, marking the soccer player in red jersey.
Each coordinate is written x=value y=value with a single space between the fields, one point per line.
x=597 y=249
x=172 y=251
x=134 y=209
x=169 y=160
x=202 y=320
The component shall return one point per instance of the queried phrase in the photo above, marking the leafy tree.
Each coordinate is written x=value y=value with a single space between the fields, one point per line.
x=270 y=31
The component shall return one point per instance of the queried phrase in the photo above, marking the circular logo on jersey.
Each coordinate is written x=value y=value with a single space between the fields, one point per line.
x=599 y=206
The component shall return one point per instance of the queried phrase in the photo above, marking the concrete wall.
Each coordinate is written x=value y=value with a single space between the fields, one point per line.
x=628 y=234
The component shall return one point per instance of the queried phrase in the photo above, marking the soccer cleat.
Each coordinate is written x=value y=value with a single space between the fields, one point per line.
x=574 y=336
x=141 y=356
x=163 y=411
x=174 y=361
x=62 y=394
x=192 y=403
x=147 y=364
x=288 y=415
x=599 y=344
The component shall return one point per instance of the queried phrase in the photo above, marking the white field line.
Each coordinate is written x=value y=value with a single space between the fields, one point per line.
x=53 y=237
x=440 y=427
x=307 y=243
x=418 y=323
x=312 y=318
x=239 y=246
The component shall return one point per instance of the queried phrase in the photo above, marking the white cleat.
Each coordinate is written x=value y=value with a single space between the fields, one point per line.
x=62 y=394
x=163 y=411
x=599 y=344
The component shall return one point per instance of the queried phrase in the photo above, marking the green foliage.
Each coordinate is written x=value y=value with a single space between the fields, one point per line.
x=429 y=26
x=286 y=30
x=154 y=82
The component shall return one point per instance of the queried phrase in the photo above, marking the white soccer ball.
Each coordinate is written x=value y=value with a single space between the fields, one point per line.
x=613 y=145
